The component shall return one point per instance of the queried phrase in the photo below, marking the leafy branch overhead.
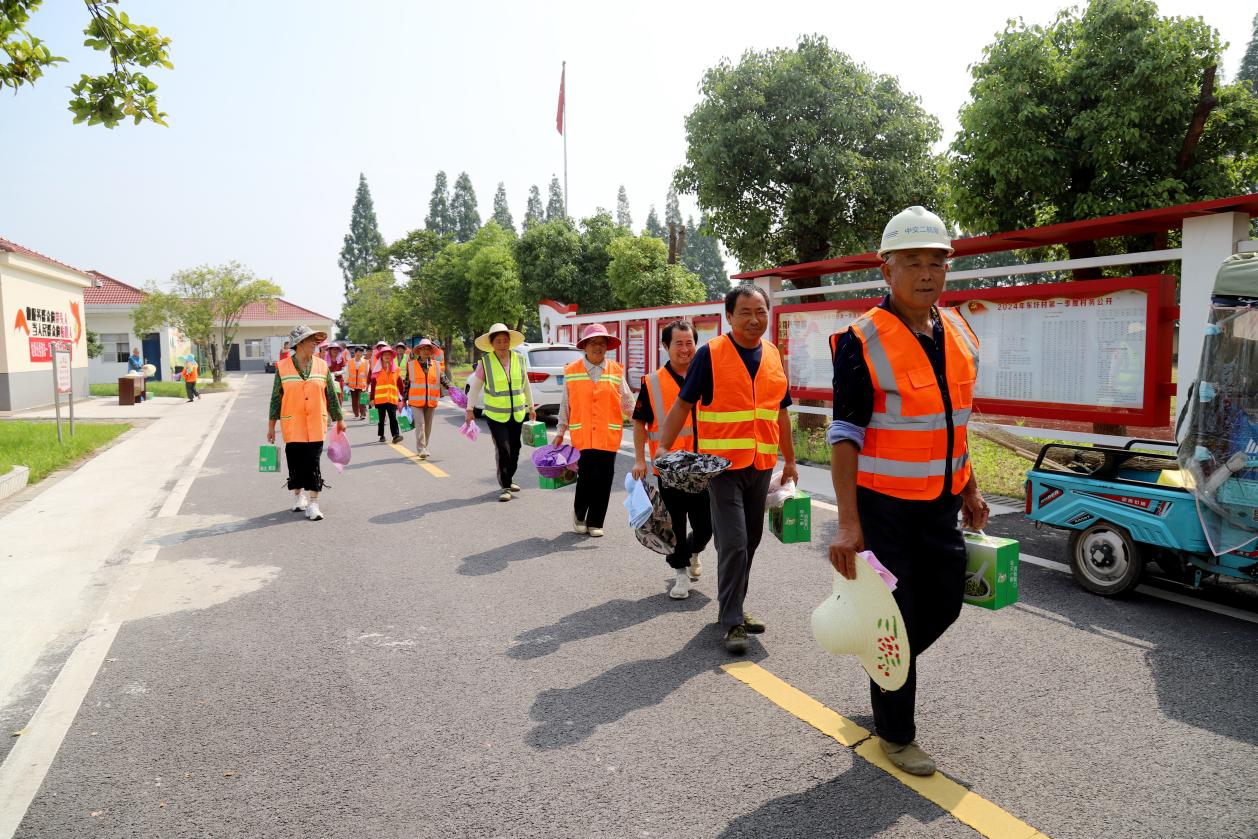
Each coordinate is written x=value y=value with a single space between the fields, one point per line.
x=126 y=92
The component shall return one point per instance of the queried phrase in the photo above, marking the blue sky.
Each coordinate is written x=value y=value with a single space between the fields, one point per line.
x=275 y=107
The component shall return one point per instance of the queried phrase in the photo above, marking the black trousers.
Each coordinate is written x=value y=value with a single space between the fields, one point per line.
x=682 y=507
x=738 y=499
x=506 y=448
x=594 y=486
x=921 y=543
x=390 y=409
x=190 y=388
x=303 y=466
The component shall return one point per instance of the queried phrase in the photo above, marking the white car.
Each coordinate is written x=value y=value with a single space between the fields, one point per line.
x=545 y=363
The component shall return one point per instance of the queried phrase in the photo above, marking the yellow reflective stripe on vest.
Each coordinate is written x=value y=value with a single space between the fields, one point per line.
x=738 y=416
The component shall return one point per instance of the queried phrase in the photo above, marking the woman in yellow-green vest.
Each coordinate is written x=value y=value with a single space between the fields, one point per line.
x=503 y=377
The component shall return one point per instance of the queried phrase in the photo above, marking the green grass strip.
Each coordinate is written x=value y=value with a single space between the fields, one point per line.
x=34 y=444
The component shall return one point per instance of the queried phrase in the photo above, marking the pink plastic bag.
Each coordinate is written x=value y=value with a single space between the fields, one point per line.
x=457 y=396
x=469 y=430
x=338 y=450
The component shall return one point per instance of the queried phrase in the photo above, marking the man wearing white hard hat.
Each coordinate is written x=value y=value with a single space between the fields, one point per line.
x=904 y=376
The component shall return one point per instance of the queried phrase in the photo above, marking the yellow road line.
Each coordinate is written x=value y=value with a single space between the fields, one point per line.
x=965 y=806
x=423 y=464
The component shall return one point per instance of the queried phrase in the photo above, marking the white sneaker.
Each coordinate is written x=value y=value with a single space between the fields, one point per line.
x=681 y=586
x=313 y=513
x=596 y=531
x=696 y=567
x=303 y=501
x=578 y=526
x=423 y=454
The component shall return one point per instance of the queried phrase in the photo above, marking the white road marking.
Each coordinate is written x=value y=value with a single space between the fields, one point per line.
x=27 y=763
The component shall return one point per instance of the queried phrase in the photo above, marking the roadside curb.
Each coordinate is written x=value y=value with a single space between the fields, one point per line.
x=14 y=481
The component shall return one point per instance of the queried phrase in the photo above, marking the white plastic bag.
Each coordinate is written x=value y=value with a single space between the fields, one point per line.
x=637 y=502
x=778 y=491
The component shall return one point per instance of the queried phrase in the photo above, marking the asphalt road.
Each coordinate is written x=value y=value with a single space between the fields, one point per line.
x=429 y=662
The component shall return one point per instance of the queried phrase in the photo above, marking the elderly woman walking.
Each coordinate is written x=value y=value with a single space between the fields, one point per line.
x=596 y=399
x=302 y=401
x=386 y=393
x=503 y=376
x=426 y=376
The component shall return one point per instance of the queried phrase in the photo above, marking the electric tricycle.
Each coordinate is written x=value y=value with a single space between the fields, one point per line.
x=1194 y=511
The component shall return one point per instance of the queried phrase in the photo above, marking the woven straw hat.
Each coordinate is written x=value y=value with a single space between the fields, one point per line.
x=483 y=342
x=861 y=618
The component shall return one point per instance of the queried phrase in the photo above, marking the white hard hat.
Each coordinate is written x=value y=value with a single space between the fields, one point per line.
x=916 y=227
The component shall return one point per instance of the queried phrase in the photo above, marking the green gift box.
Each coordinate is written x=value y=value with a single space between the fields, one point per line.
x=268 y=458
x=405 y=423
x=555 y=483
x=373 y=415
x=792 y=522
x=991 y=571
x=534 y=433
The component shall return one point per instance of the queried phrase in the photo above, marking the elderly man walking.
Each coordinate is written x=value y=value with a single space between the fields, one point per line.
x=740 y=387
x=904 y=376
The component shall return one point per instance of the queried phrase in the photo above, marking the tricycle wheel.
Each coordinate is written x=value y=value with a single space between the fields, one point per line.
x=1105 y=560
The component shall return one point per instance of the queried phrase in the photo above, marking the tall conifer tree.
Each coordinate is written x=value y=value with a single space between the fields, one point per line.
x=653 y=226
x=438 y=218
x=702 y=255
x=502 y=213
x=361 y=251
x=1249 y=63
x=464 y=217
x=534 y=213
x=554 y=205
x=623 y=218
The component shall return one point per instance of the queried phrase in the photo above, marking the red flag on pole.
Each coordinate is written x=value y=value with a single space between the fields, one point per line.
x=559 y=112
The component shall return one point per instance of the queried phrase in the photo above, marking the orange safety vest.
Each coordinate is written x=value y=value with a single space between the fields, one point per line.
x=190 y=372
x=356 y=374
x=387 y=387
x=741 y=422
x=908 y=442
x=425 y=388
x=304 y=406
x=595 y=418
x=662 y=389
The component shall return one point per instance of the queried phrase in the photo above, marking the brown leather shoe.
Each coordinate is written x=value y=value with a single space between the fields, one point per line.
x=908 y=756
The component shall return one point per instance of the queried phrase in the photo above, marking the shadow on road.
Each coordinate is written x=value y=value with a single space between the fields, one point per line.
x=568 y=715
x=612 y=616
x=256 y=523
x=420 y=510
x=497 y=559
x=863 y=801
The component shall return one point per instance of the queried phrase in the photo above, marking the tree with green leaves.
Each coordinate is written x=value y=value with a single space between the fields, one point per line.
x=702 y=257
x=1248 y=71
x=502 y=212
x=106 y=99
x=672 y=208
x=205 y=304
x=361 y=250
x=464 y=217
x=802 y=154
x=534 y=212
x=640 y=275
x=554 y=204
x=549 y=256
x=438 y=219
x=1111 y=110
x=446 y=282
x=594 y=293
x=375 y=312
x=623 y=217
x=654 y=227
x=494 y=289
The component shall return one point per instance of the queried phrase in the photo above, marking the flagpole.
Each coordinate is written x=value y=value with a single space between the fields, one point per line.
x=564 y=76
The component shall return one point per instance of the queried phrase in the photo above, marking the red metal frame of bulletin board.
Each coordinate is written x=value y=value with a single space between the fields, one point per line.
x=1161 y=312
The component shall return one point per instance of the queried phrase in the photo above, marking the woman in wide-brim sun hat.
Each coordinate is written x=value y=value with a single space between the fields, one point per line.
x=426 y=375
x=503 y=376
x=303 y=400
x=596 y=400
x=386 y=393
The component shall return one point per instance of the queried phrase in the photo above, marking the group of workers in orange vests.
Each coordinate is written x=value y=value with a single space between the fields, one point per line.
x=904 y=376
